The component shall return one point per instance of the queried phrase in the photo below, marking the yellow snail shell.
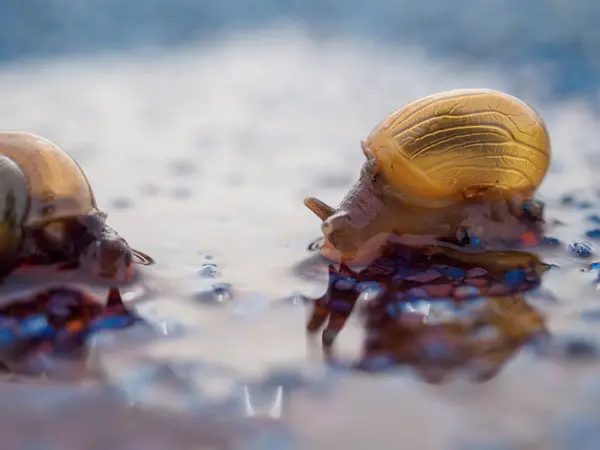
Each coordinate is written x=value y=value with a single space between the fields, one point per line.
x=432 y=155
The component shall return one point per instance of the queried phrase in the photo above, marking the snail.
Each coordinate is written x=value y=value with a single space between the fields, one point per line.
x=49 y=215
x=459 y=166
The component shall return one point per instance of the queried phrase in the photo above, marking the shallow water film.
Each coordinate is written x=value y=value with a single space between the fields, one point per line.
x=202 y=127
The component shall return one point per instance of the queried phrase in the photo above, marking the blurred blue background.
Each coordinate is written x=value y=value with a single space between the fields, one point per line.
x=563 y=34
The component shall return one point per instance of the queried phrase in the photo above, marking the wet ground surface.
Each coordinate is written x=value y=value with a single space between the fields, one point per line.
x=202 y=160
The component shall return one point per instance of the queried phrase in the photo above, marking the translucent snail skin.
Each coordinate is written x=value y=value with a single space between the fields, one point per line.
x=455 y=166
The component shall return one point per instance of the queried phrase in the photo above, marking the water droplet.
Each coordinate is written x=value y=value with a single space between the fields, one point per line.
x=122 y=203
x=580 y=249
x=208 y=270
x=567 y=199
x=296 y=299
x=181 y=167
x=149 y=190
x=549 y=241
x=181 y=193
x=594 y=218
x=219 y=293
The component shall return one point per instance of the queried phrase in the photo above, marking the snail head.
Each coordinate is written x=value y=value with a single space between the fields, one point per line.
x=90 y=243
x=355 y=229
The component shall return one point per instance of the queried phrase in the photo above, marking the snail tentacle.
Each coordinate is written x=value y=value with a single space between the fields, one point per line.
x=321 y=209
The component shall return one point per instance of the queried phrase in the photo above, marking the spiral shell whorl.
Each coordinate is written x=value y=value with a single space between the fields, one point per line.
x=441 y=145
x=57 y=187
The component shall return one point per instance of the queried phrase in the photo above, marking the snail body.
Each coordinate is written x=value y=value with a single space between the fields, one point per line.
x=436 y=167
x=48 y=211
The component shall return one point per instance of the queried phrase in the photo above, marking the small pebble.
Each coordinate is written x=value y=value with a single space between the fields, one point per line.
x=476 y=272
x=452 y=272
x=476 y=282
x=181 y=192
x=580 y=249
x=417 y=292
x=593 y=234
x=594 y=218
x=463 y=292
x=383 y=266
x=424 y=277
x=438 y=290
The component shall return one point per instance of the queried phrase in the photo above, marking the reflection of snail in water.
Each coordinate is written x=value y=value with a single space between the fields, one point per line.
x=478 y=293
x=66 y=318
x=461 y=165
x=49 y=213
x=477 y=338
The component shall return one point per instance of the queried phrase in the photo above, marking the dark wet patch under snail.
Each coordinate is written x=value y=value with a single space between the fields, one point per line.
x=50 y=317
x=435 y=312
x=57 y=322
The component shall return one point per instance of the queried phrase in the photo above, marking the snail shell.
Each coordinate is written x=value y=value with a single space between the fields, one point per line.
x=427 y=158
x=41 y=189
x=39 y=184
x=442 y=145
